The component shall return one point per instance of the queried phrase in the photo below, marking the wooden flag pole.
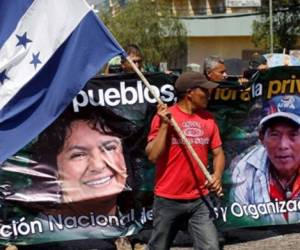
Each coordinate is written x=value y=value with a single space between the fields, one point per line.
x=173 y=123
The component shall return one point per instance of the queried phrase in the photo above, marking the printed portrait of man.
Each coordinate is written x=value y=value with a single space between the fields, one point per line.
x=269 y=173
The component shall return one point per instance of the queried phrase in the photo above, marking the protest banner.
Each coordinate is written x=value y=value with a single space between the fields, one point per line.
x=87 y=175
x=84 y=176
x=254 y=193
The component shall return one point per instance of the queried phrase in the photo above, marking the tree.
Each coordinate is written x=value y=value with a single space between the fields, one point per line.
x=150 y=25
x=286 y=25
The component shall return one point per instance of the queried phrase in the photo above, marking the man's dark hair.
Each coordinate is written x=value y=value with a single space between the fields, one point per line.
x=131 y=49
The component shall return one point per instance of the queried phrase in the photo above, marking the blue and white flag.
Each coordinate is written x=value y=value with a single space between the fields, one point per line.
x=49 y=49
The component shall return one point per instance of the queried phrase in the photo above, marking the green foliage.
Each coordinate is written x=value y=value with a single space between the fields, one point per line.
x=151 y=26
x=261 y=36
x=286 y=25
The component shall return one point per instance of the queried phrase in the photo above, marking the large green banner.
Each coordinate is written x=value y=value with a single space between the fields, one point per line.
x=87 y=176
x=260 y=129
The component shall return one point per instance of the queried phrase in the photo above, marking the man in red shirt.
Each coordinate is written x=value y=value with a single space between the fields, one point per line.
x=181 y=190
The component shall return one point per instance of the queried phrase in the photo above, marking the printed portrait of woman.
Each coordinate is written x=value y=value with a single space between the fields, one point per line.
x=87 y=150
x=90 y=163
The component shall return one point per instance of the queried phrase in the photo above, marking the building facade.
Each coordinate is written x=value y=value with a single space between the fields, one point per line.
x=218 y=27
x=214 y=27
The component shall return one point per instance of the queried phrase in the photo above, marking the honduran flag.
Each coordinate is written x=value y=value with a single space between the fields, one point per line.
x=49 y=49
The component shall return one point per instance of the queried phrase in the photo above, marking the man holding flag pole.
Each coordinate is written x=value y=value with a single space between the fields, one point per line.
x=181 y=188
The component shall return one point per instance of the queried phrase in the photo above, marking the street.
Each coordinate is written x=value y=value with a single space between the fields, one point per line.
x=275 y=238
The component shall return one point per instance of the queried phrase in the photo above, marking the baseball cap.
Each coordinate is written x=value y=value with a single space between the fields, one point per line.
x=287 y=106
x=190 y=80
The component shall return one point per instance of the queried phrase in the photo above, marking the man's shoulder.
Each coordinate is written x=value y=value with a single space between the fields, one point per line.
x=174 y=109
x=205 y=114
x=254 y=158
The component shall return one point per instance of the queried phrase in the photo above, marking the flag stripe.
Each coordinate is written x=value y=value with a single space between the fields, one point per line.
x=46 y=95
x=42 y=37
x=10 y=17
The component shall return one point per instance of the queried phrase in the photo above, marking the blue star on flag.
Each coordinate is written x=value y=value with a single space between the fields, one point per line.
x=23 y=40
x=3 y=76
x=35 y=59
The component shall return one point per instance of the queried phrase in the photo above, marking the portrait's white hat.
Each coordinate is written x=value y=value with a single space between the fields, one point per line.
x=287 y=106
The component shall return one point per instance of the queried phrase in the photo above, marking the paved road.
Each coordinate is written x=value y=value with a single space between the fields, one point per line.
x=280 y=242
x=275 y=238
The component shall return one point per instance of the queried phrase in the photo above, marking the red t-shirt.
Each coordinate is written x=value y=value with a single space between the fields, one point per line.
x=178 y=175
x=276 y=191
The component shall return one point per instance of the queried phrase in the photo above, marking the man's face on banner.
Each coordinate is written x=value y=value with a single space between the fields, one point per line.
x=282 y=142
x=91 y=164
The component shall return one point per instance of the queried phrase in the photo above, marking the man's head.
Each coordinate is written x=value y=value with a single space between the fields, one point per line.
x=194 y=87
x=214 y=68
x=135 y=55
x=257 y=62
x=280 y=133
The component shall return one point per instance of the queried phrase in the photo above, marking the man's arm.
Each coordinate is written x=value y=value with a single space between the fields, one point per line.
x=218 y=165
x=155 y=147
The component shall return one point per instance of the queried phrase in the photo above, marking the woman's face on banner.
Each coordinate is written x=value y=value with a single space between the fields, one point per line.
x=91 y=164
x=282 y=142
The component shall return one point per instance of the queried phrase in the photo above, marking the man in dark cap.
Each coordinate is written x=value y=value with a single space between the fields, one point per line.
x=181 y=190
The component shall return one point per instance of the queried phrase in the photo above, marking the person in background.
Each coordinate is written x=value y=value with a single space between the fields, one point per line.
x=135 y=54
x=193 y=67
x=257 y=63
x=214 y=69
x=120 y=64
x=181 y=190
